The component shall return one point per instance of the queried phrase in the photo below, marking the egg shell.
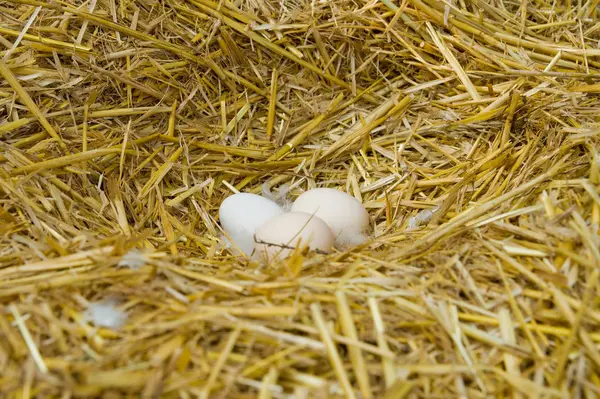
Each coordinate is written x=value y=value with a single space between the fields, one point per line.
x=344 y=214
x=278 y=237
x=241 y=214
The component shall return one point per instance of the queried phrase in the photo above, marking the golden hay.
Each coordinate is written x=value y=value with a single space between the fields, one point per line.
x=468 y=128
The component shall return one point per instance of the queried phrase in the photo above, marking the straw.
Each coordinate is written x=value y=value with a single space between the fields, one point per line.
x=468 y=129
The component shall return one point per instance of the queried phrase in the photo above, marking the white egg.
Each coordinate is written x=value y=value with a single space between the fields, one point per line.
x=345 y=215
x=279 y=236
x=241 y=214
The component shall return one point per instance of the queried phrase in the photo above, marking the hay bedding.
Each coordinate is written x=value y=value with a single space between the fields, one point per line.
x=469 y=129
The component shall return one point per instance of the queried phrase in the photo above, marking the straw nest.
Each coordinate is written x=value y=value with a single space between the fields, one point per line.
x=469 y=129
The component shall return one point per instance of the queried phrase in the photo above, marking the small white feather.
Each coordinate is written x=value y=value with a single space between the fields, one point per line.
x=133 y=259
x=280 y=197
x=105 y=314
x=420 y=218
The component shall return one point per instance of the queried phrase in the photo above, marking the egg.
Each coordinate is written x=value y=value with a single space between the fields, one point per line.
x=279 y=236
x=241 y=214
x=344 y=214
